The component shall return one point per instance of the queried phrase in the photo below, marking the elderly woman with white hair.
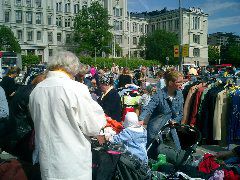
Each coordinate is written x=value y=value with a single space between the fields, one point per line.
x=64 y=116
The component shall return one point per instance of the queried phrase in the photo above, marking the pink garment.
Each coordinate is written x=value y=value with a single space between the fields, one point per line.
x=93 y=71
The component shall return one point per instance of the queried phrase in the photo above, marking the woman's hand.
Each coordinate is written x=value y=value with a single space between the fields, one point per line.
x=101 y=139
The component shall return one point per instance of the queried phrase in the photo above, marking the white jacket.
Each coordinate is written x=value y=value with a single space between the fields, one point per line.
x=64 y=116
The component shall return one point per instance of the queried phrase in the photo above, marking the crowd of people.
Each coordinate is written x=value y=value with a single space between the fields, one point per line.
x=67 y=104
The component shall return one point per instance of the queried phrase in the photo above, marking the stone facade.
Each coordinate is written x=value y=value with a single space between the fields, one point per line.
x=42 y=26
x=194 y=31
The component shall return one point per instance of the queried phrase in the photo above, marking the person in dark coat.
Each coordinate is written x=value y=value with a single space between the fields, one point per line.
x=8 y=82
x=110 y=100
x=21 y=123
x=124 y=78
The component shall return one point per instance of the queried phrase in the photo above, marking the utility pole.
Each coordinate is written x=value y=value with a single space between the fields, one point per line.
x=180 y=34
x=129 y=36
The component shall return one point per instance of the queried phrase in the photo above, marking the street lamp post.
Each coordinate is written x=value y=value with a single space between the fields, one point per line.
x=114 y=46
x=129 y=36
x=180 y=34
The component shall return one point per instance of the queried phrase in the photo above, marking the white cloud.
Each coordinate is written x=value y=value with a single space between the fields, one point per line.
x=213 y=6
x=224 y=22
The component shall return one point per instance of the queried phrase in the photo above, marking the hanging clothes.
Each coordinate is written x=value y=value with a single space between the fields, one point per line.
x=234 y=123
x=220 y=116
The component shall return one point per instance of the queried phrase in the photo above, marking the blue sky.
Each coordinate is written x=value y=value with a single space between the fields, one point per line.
x=224 y=15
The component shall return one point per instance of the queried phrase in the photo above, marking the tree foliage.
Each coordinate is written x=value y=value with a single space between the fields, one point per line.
x=30 y=59
x=121 y=62
x=213 y=54
x=231 y=52
x=8 y=42
x=91 y=29
x=159 y=45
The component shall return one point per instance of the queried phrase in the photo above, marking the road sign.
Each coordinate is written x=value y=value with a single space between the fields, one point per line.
x=185 y=50
x=176 y=51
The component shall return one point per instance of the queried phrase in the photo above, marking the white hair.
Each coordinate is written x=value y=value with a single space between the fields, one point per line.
x=65 y=60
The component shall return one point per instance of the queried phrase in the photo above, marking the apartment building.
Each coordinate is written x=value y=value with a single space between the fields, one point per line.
x=42 y=26
x=221 y=38
x=192 y=30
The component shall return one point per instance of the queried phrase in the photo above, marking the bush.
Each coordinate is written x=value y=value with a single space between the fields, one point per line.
x=30 y=59
x=122 y=62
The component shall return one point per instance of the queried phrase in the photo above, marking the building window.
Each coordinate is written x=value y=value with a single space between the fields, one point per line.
x=29 y=17
x=135 y=40
x=176 y=24
x=117 y=12
x=39 y=35
x=118 y=39
x=117 y=25
x=170 y=25
x=134 y=27
x=146 y=29
x=50 y=52
x=29 y=35
x=18 y=2
x=18 y=16
x=127 y=26
x=141 y=28
x=59 y=22
x=29 y=3
x=50 y=37
x=196 y=38
x=76 y=8
x=49 y=19
x=196 y=52
x=153 y=27
x=6 y=15
x=38 y=18
x=59 y=7
x=38 y=3
x=164 y=25
x=196 y=22
x=68 y=38
x=67 y=8
x=59 y=37
x=67 y=22
x=19 y=35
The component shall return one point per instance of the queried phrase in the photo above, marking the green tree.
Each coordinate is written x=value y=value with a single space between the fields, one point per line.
x=159 y=45
x=213 y=54
x=230 y=53
x=91 y=30
x=30 y=59
x=234 y=54
x=8 y=42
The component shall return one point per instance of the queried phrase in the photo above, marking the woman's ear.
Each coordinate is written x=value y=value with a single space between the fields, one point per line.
x=170 y=83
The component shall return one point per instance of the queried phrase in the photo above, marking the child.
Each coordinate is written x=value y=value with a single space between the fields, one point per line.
x=133 y=137
x=146 y=97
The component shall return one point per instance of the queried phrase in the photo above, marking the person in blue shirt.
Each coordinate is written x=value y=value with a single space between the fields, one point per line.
x=161 y=83
x=166 y=105
x=133 y=137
